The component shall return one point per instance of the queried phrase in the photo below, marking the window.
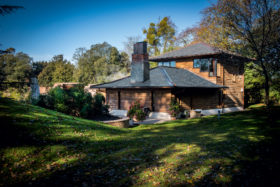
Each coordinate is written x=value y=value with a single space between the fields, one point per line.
x=167 y=64
x=213 y=68
x=206 y=65
x=196 y=63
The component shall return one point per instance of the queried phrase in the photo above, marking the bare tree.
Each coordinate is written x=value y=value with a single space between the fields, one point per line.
x=128 y=44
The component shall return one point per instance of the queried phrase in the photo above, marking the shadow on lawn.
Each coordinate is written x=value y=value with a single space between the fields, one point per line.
x=238 y=150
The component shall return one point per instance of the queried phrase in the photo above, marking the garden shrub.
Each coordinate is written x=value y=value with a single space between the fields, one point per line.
x=174 y=108
x=136 y=111
x=99 y=105
x=74 y=101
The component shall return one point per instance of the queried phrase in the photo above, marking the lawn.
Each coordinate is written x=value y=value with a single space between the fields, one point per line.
x=44 y=147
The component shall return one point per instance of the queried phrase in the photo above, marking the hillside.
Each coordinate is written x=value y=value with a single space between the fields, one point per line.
x=44 y=147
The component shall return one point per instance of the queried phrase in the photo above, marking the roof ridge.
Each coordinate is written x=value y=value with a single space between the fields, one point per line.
x=184 y=47
x=169 y=80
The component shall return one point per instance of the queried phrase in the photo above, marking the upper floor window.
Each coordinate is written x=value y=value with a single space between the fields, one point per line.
x=206 y=65
x=167 y=64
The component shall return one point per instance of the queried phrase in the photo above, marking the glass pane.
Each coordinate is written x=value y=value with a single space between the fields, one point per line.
x=196 y=63
x=160 y=64
x=173 y=64
x=204 y=65
x=166 y=64
x=211 y=68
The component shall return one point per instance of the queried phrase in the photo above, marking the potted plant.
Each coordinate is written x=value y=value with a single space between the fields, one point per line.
x=135 y=112
x=131 y=113
x=174 y=108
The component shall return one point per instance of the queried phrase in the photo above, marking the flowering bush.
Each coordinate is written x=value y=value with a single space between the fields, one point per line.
x=135 y=111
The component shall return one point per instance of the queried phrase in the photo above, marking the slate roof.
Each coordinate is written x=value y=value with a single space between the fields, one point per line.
x=170 y=77
x=193 y=50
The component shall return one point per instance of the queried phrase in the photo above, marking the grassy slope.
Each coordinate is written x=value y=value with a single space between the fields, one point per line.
x=43 y=147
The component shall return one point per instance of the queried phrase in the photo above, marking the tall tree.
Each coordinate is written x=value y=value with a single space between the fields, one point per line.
x=15 y=67
x=37 y=67
x=57 y=70
x=160 y=36
x=99 y=63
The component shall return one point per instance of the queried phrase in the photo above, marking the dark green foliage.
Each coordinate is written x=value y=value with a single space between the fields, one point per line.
x=74 y=101
x=174 y=107
x=61 y=100
x=37 y=67
x=99 y=63
x=46 y=101
x=99 y=104
x=15 y=67
x=57 y=70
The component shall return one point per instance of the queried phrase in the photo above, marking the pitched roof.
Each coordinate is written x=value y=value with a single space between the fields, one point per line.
x=198 y=49
x=163 y=77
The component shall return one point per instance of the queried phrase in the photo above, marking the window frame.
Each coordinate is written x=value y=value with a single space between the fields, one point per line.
x=198 y=61
x=167 y=64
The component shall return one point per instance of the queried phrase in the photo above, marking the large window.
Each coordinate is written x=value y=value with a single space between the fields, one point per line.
x=206 y=65
x=167 y=64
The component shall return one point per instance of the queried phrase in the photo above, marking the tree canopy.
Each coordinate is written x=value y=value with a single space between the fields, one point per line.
x=160 y=36
x=99 y=64
x=57 y=70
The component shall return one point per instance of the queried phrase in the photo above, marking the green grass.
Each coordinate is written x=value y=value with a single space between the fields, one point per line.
x=44 y=147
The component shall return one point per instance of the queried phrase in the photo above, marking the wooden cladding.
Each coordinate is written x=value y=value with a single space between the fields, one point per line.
x=188 y=65
x=157 y=100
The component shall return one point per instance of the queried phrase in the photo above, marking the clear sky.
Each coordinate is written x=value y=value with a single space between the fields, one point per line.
x=45 y=28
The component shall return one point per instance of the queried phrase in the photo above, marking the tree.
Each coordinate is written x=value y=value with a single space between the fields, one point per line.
x=37 y=67
x=7 y=9
x=129 y=43
x=99 y=63
x=125 y=62
x=160 y=34
x=15 y=67
x=57 y=70
x=250 y=27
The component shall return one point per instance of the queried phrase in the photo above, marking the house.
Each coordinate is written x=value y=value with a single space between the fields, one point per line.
x=199 y=76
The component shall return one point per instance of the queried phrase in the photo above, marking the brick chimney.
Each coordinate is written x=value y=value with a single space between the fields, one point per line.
x=140 y=67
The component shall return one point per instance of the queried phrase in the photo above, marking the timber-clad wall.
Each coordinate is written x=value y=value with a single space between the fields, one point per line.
x=127 y=97
x=121 y=99
x=233 y=78
x=188 y=64
x=230 y=73
x=198 y=98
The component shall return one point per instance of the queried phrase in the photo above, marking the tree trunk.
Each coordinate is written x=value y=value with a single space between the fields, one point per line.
x=266 y=84
x=266 y=88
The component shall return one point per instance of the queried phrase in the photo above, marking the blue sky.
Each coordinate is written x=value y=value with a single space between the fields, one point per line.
x=45 y=28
